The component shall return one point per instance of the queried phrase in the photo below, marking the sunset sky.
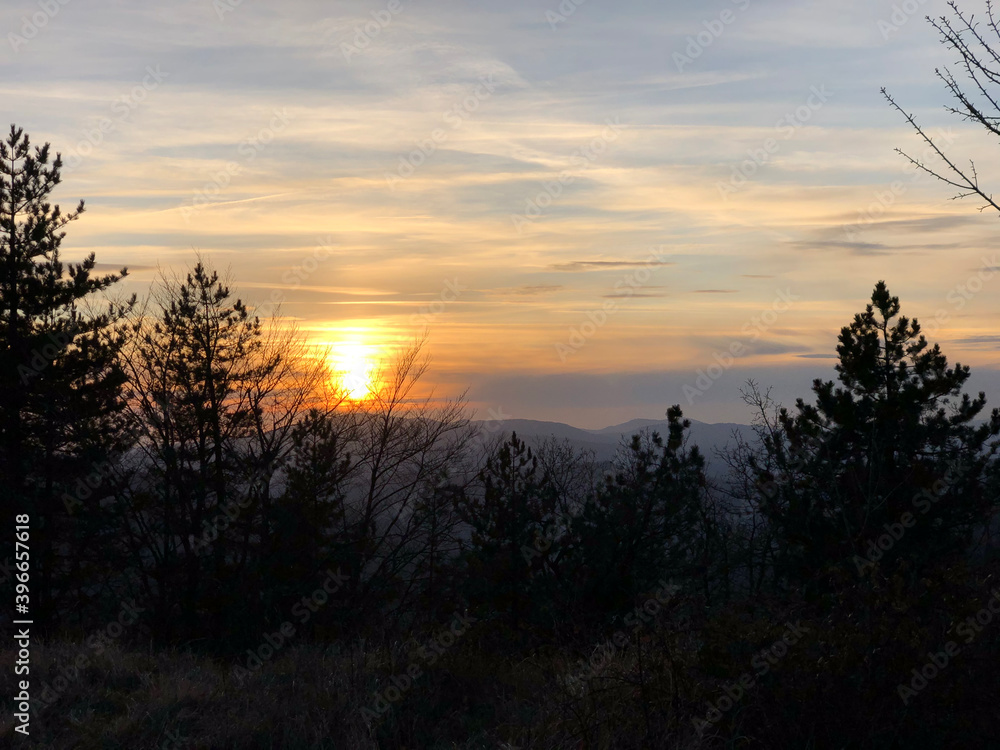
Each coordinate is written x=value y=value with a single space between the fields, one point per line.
x=547 y=190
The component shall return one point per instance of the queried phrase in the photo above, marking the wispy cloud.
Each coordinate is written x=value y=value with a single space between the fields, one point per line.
x=604 y=265
x=406 y=95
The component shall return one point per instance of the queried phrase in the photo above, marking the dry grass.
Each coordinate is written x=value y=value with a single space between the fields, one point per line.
x=312 y=696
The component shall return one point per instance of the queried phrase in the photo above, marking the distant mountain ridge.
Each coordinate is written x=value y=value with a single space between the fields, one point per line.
x=605 y=441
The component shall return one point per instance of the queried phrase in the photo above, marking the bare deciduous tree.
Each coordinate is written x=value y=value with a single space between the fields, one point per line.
x=403 y=447
x=978 y=100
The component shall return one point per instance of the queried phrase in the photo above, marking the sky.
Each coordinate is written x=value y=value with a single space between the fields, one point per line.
x=592 y=209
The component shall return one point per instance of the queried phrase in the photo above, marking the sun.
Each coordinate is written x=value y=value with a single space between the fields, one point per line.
x=353 y=367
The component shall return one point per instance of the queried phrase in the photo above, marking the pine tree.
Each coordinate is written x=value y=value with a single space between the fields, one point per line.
x=517 y=500
x=311 y=528
x=60 y=378
x=643 y=525
x=889 y=464
x=189 y=519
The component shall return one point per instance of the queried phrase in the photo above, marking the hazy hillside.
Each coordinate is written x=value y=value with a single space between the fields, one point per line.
x=604 y=442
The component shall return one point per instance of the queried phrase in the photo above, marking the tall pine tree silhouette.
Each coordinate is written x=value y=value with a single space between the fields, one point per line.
x=517 y=498
x=193 y=366
x=891 y=463
x=60 y=379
